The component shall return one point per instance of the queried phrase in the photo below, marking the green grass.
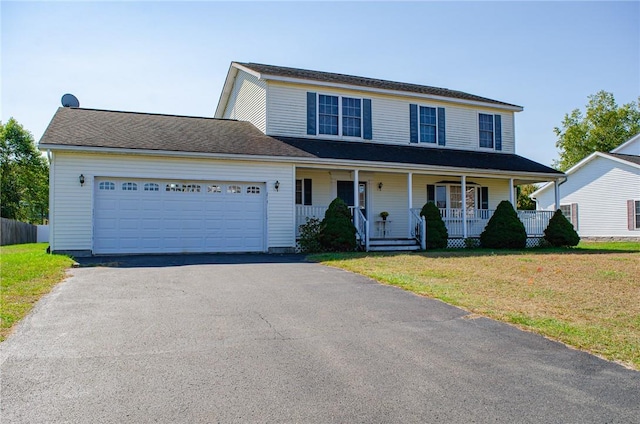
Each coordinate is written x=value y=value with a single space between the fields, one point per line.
x=587 y=297
x=27 y=272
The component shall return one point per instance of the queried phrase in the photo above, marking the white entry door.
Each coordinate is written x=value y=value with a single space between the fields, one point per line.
x=153 y=216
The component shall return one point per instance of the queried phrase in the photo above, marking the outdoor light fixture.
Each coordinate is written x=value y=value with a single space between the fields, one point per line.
x=277 y=185
x=81 y=178
x=380 y=186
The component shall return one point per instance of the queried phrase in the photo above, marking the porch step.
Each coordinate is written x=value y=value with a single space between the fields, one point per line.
x=391 y=245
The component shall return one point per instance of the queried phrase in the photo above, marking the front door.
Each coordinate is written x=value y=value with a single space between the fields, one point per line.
x=345 y=192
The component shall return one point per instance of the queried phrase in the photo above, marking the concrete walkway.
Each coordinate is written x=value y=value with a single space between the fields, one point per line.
x=252 y=338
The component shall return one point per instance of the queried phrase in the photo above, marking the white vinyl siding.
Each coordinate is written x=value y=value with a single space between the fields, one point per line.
x=287 y=107
x=247 y=101
x=601 y=188
x=72 y=205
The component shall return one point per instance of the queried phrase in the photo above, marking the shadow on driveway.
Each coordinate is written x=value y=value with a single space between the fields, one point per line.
x=156 y=261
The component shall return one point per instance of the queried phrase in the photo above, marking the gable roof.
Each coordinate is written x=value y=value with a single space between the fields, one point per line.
x=102 y=130
x=93 y=128
x=616 y=157
x=304 y=75
x=627 y=144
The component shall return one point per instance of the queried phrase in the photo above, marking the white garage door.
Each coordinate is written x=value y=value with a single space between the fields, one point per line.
x=152 y=216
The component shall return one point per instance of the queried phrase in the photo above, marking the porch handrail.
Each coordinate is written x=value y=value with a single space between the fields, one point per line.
x=362 y=228
x=418 y=227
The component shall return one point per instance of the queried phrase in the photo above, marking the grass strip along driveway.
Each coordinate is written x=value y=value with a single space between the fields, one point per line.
x=587 y=297
x=27 y=272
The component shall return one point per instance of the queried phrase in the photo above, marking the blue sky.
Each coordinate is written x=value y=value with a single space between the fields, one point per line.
x=172 y=57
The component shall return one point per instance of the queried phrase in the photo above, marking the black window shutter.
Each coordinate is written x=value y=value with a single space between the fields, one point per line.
x=307 y=191
x=311 y=113
x=498 y=130
x=442 y=140
x=431 y=193
x=367 y=131
x=413 y=123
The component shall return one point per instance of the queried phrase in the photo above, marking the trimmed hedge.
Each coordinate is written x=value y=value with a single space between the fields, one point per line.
x=338 y=233
x=437 y=234
x=560 y=231
x=504 y=230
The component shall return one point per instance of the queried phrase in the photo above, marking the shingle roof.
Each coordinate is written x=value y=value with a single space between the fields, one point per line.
x=329 y=77
x=628 y=158
x=389 y=153
x=75 y=127
x=130 y=130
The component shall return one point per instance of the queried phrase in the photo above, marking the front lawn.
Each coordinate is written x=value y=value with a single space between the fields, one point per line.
x=27 y=272
x=587 y=297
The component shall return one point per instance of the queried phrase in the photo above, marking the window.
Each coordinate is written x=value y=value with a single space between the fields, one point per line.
x=637 y=202
x=253 y=190
x=173 y=187
x=328 y=114
x=151 y=187
x=234 y=189
x=129 y=186
x=351 y=117
x=339 y=116
x=476 y=197
x=106 y=185
x=570 y=211
x=428 y=124
x=486 y=130
x=214 y=188
x=303 y=192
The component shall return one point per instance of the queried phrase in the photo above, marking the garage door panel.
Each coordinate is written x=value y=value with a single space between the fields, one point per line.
x=205 y=217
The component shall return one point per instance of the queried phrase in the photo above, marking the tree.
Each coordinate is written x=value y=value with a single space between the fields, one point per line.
x=524 y=202
x=560 y=231
x=602 y=127
x=24 y=180
x=437 y=234
x=504 y=230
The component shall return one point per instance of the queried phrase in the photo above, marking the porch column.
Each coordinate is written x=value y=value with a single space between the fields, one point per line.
x=356 y=197
x=463 y=183
x=556 y=186
x=511 y=197
x=410 y=202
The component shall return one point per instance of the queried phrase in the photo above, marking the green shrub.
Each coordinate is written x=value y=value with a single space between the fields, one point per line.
x=338 y=233
x=310 y=236
x=437 y=234
x=560 y=232
x=504 y=230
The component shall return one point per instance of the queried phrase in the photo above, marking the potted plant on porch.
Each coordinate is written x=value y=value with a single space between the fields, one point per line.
x=384 y=215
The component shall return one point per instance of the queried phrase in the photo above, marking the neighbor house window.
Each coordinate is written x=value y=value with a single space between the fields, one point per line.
x=303 y=192
x=570 y=211
x=637 y=202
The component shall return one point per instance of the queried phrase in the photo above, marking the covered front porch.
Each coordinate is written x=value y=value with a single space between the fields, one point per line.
x=466 y=201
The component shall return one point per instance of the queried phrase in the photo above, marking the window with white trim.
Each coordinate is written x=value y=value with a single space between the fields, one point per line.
x=428 y=124
x=485 y=123
x=106 y=185
x=450 y=196
x=339 y=116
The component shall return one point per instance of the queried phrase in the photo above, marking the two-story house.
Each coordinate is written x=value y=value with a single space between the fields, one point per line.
x=284 y=142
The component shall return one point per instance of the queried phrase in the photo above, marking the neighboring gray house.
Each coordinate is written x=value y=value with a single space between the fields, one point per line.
x=601 y=196
x=284 y=142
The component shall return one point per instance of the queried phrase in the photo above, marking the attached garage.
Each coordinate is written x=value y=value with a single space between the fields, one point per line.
x=165 y=216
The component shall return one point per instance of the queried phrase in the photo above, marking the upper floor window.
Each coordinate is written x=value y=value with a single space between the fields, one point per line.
x=427 y=124
x=339 y=116
x=490 y=131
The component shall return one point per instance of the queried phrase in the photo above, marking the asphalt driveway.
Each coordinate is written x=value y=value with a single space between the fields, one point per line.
x=252 y=338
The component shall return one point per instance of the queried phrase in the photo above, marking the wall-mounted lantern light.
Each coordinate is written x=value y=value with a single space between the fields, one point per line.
x=277 y=185
x=380 y=186
x=81 y=179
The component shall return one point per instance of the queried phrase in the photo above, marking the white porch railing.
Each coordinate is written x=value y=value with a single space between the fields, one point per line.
x=362 y=229
x=304 y=212
x=535 y=222
x=418 y=227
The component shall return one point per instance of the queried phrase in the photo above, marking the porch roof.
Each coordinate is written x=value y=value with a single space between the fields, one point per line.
x=414 y=155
